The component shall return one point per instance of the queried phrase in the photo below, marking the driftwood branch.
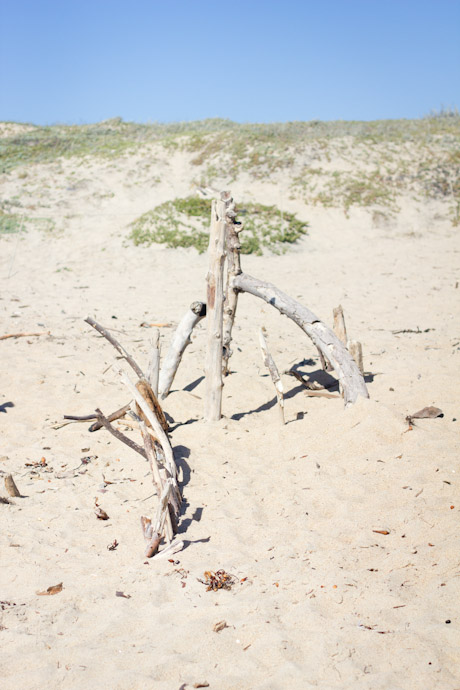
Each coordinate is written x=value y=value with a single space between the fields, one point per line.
x=356 y=351
x=179 y=342
x=155 y=424
x=274 y=373
x=113 y=341
x=153 y=370
x=215 y=306
x=118 y=414
x=233 y=269
x=339 y=324
x=350 y=378
x=119 y=435
x=150 y=398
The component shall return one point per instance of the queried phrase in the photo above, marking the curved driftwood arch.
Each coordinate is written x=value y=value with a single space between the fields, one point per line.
x=349 y=375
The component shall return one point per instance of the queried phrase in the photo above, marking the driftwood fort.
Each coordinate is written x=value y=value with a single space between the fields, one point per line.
x=225 y=282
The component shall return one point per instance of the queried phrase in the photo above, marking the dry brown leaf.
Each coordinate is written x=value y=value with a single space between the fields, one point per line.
x=54 y=589
x=101 y=514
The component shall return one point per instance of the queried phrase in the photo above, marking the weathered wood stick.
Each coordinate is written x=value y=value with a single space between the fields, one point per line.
x=155 y=424
x=10 y=486
x=346 y=368
x=118 y=414
x=23 y=335
x=356 y=351
x=162 y=518
x=152 y=538
x=84 y=418
x=113 y=341
x=274 y=373
x=119 y=435
x=156 y=476
x=339 y=325
x=215 y=311
x=169 y=551
x=153 y=370
x=179 y=342
x=233 y=269
x=150 y=398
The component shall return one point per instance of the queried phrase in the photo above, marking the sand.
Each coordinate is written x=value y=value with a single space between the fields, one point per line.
x=322 y=599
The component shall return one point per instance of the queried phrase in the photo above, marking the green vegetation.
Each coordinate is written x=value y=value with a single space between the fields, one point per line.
x=185 y=222
x=374 y=162
x=10 y=223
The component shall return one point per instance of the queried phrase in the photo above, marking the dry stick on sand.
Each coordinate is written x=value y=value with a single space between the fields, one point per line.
x=113 y=341
x=153 y=532
x=23 y=335
x=339 y=324
x=233 y=269
x=274 y=373
x=215 y=305
x=155 y=424
x=179 y=342
x=118 y=414
x=356 y=351
x=103 y=421
x=156 y=476
x=349 y=376
x=153 y=370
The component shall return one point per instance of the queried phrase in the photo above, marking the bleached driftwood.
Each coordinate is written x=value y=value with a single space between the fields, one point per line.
x=179 y=342
x=150 y=398
x=274 y=373
x=155 y=469
x=233 y=269
x=214 y=317
x=356 y=351
x=113 y=341
x=339 y=325
x=153 y=370
x=104 y=422
x=350 y=378
x=155 y=424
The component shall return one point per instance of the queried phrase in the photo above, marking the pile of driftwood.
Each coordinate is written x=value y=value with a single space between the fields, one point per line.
x=225 y=282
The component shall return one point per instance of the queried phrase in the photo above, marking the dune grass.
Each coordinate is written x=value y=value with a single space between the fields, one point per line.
x=184 y=222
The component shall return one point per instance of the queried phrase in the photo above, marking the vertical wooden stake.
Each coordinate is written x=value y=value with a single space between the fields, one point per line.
x=274 y=373
x=153 y=372
x=339 y=325
x=356 y=351
x=233 y=269
x=215 y=310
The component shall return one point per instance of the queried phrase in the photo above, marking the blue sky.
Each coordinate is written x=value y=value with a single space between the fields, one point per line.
x=78 y=61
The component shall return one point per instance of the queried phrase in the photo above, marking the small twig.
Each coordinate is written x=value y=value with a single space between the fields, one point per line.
x=111 y=418
x=116 y=345
x=84 y=418
x=274 y=373
x=121 y=437
x=23 y=335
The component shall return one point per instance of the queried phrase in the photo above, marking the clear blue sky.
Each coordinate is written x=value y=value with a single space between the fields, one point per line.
x=78 y=61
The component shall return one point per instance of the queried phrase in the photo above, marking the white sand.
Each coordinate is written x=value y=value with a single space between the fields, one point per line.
x=328 y=602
